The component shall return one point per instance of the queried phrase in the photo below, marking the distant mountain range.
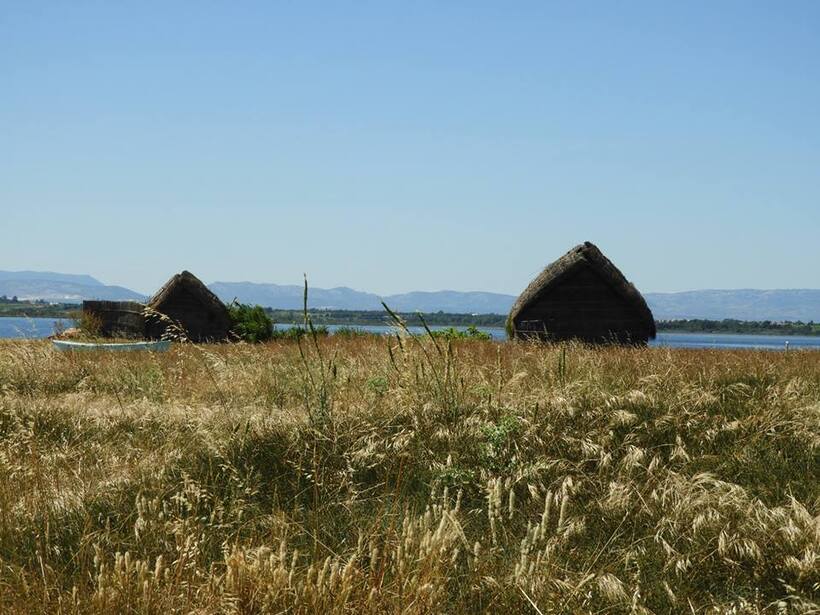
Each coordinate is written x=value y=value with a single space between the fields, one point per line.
x=343 y=298
x=744 y=304
x=800 y=304
x=61 y=287
x=776 y=305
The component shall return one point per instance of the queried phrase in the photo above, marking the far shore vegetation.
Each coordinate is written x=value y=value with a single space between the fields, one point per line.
x=13 y=307
x=765 y=327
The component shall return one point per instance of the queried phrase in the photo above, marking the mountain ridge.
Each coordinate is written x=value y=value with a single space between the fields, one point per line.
x=713 y=304
x=61 y=287
x=51 y=276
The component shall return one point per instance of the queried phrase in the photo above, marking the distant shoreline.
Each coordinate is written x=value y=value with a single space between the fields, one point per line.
x=354 y=318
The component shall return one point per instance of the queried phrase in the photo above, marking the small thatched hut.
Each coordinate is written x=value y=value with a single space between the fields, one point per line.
x=189 y=304
x=115 y=318
x=582 y=296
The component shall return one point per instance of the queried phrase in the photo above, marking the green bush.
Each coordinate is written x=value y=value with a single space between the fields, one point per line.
x=250 y=323
x=470 y=333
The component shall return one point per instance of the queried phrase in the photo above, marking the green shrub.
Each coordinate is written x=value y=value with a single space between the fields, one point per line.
x=90 y=324
x=250 y=323
x=470 y=333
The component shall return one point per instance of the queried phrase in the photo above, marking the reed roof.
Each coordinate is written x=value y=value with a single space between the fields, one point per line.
x=586 y=254
x=190 y=283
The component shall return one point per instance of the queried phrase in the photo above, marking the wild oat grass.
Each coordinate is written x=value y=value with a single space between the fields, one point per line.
x=409 y=476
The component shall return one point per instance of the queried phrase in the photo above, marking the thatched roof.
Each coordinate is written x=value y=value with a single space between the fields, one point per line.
x=192 y=284
x=583 y=255
x=187 y=303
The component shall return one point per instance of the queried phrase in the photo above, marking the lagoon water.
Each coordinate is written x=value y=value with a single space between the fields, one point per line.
x=36 y=328
x=29 y=328
x=728 y=340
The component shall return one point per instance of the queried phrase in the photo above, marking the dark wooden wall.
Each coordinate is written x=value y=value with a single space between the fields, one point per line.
x=583 y=306
x=201 y=320
x=117 y=318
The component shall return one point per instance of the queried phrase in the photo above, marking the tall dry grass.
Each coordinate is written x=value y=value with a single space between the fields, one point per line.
x=409 y=476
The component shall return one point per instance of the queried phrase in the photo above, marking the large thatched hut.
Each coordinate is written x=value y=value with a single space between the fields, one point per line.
x=582 y=296
x=187 y=303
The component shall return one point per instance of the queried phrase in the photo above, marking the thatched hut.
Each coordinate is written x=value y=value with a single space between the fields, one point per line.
x=187 y=303
x=582 y=296
x=115 y=318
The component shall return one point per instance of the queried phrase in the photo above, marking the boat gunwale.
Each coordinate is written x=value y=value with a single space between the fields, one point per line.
x=155 y=345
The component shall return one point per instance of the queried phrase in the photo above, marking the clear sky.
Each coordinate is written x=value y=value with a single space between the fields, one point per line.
x=396 y=146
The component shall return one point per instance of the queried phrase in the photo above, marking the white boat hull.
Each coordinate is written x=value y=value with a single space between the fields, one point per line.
x=158 y=346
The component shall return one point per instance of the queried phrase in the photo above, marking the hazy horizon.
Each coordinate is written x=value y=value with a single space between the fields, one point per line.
x=300 y=282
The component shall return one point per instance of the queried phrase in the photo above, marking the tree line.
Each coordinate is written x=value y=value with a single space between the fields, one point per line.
x=730 y=325
x=363 y=318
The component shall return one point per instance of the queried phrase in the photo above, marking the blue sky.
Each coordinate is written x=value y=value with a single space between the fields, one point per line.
x=395 y=146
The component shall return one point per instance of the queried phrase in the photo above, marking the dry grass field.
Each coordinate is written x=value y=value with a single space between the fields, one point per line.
x=369 y=475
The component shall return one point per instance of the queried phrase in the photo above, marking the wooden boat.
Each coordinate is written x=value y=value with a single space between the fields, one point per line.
x=154 y=346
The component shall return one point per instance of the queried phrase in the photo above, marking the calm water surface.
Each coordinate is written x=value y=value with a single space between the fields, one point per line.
x=30 y=328
x=34 y=328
